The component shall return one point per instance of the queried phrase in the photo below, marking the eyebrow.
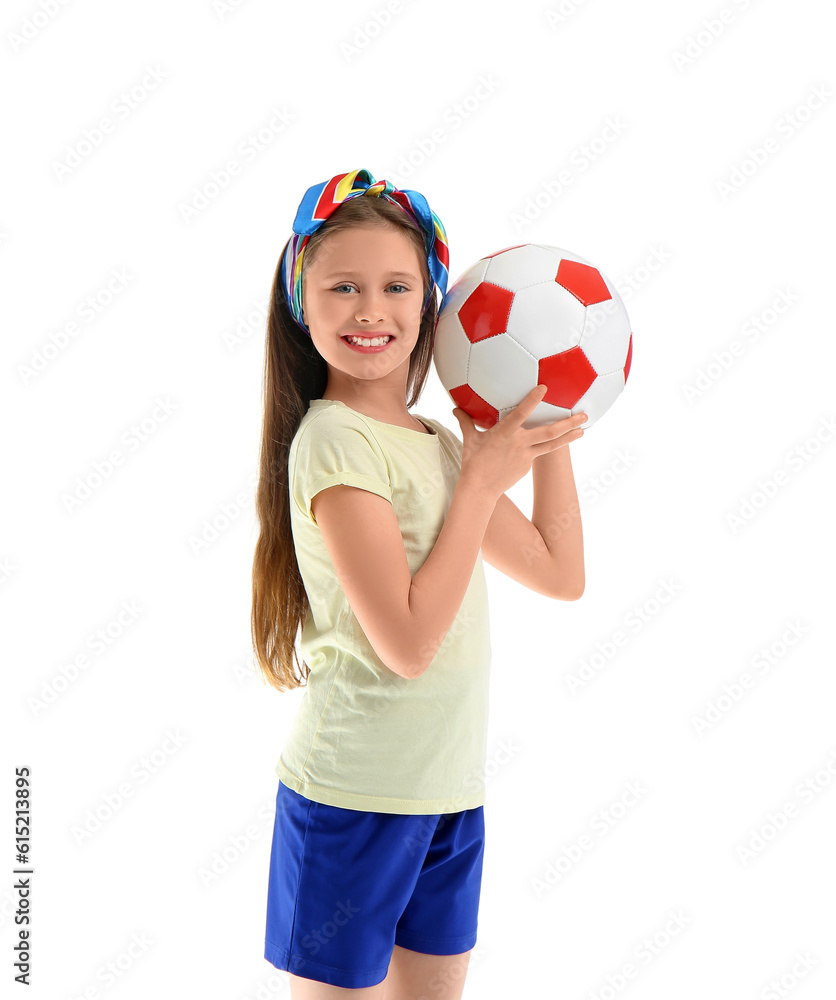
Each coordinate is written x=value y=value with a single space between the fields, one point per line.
x=353 y=274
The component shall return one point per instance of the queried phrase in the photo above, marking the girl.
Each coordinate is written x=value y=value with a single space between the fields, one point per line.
x=373 y=523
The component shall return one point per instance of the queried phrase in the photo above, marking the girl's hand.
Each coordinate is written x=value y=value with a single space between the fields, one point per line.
x=495 y=459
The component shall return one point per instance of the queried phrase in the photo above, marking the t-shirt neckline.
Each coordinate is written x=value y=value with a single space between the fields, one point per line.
x=395 y=430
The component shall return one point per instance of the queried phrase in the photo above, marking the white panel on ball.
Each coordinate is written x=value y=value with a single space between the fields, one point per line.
x=606 y=335
x=600 y=396
x=522 y=266
x=545 y=319
x=501 y=354
x=563 y=254
x=451 y=362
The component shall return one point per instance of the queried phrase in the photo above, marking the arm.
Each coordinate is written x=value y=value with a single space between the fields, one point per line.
x=544 y=554
x=405 y=619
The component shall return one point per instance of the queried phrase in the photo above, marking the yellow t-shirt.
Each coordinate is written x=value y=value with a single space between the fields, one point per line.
x=364 y=737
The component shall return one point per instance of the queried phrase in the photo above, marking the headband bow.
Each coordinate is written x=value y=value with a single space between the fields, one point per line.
x=321 y=200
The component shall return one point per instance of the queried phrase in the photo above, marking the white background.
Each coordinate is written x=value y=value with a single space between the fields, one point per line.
x=665 y=477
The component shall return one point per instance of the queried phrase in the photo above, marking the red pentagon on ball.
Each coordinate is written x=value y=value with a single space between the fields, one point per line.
x=583 y=281
x=481 y=412
x=485 y=312
x=568 y=375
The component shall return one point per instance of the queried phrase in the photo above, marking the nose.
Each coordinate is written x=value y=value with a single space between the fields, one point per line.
x=370 y=307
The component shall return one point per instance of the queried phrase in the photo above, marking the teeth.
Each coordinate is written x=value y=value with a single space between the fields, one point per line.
x=366 y=342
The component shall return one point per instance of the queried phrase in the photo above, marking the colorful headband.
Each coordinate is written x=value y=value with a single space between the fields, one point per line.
x=321 y=200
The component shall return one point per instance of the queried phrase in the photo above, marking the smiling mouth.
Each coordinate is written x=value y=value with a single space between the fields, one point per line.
x=352 y=338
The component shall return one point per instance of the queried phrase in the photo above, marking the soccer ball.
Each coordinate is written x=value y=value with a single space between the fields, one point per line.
x=530 y=315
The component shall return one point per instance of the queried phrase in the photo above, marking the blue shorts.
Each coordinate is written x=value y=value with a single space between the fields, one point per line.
x=346 y=886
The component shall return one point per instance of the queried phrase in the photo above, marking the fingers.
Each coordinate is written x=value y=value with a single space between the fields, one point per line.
x=560 y=441
x=572 y=430
x=522 y=410
x=569 y=423
x=559 y=432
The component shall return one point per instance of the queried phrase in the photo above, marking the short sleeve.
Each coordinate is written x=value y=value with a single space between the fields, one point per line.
x=338 y=448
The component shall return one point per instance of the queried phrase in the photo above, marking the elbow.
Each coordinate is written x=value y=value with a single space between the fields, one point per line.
x=567 y=593
x=405 y=654
x=410 y=671
x=406 y=668
x=416 y=653
x=413 y=668
x=410 y=666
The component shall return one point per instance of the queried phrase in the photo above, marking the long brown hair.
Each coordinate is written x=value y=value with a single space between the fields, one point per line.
x=294 y=374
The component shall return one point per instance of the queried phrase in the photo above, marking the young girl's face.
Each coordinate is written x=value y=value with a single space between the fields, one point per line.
x=365 y=281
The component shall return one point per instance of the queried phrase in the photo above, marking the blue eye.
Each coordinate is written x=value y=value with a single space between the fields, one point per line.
x=352 y=286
